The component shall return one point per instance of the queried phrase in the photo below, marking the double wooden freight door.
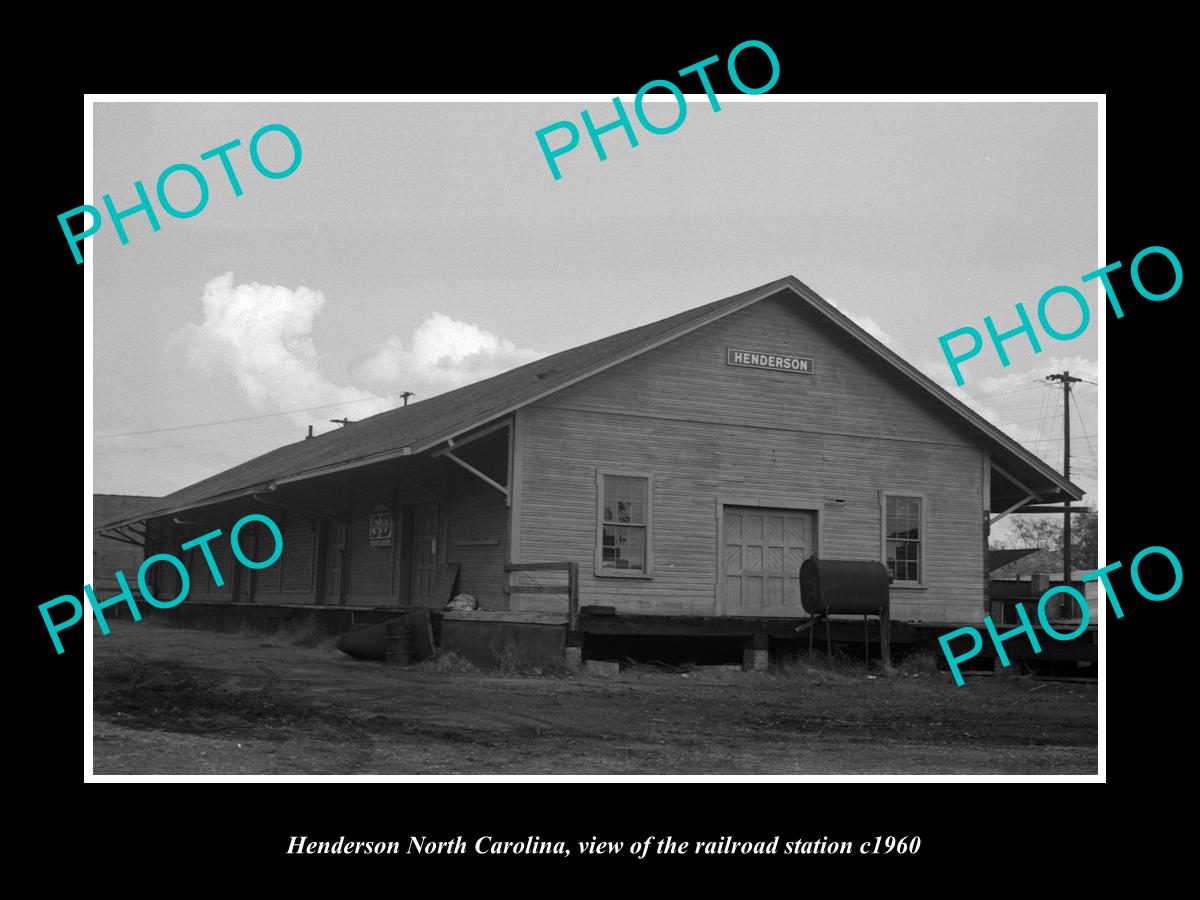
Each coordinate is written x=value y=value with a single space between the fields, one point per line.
x=762 y=550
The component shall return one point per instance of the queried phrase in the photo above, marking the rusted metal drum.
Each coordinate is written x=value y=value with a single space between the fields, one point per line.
x=844 y=586
x=398 y=644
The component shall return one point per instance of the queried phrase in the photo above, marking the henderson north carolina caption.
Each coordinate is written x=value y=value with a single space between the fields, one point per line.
x=535 y=845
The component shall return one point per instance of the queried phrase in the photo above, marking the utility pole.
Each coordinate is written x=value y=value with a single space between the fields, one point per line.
x=1067 y=381
x=404 y=395
x=342 y=422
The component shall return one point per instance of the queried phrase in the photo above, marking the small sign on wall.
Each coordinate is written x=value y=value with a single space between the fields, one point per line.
x=379 y=533
x=756 y=359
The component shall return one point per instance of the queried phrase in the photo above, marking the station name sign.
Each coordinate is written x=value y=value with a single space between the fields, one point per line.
x=757 y=360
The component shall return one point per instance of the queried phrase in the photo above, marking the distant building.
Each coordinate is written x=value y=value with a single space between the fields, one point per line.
x=1013 y=580
x=1018 y=565
x=999 y=559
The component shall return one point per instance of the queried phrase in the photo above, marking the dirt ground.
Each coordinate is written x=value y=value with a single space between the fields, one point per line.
x=173 y=701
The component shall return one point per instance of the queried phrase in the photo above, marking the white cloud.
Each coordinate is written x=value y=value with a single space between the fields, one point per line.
x=869 y=325
x=262 y=336
x=442 y=354
x=873 y=328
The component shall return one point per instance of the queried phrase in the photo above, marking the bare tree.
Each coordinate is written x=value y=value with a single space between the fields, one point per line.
x=1046 y=532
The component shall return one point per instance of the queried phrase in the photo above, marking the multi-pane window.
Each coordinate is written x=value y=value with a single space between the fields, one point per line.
x=902 y=537
x=624 y=526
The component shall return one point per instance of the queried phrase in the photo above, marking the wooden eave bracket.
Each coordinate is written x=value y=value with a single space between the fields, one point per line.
x=1028 y=498
x=447 y=454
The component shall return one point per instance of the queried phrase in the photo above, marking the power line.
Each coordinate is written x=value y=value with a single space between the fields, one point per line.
x=1017 y=409
x=1041 y=428
x=228 y=437
x=1038 y=383
x=1020 y=422
x=286 y=412
x=1083 y=426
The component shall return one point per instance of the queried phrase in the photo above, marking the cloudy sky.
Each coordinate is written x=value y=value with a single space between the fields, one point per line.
x=421 y=246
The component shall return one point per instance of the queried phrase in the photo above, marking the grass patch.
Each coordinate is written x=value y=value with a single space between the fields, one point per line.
x=517 y=663
x=820 y=667
x=450 y=661
x=922 y=662
x=307 y=633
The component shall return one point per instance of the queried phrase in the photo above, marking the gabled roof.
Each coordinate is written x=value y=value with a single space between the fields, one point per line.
x=998 y=559
x=1037 y=560
x=422 y=426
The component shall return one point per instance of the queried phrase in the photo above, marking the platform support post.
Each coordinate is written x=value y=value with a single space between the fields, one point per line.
x=755 y=654
x=574 y=649
x=885 y=639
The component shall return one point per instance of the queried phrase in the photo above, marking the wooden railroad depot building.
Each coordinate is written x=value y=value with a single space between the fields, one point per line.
x=673 y=477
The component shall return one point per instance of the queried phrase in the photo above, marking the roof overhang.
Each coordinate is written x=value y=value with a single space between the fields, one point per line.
x=148 y=514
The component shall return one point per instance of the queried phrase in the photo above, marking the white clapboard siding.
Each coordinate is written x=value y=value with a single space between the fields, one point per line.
x=707 y=430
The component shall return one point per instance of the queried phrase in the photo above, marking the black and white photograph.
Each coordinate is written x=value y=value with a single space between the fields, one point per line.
x=537 y=437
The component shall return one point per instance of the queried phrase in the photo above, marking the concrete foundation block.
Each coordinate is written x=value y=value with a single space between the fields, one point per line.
x=603 y=669
x=755 y=660
x=574 y=656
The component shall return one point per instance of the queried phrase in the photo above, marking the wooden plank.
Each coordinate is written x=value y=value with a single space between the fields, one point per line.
x=509 y=456
x=537 y=567
x=730 y=627
x=519 y=617
x=443 y=587
x=114 y=534
x=885 y=641
x=422 y=634
x=456 y=442
x=517 y=468
x=573 y=597
x=842 y=630
x=537 y=589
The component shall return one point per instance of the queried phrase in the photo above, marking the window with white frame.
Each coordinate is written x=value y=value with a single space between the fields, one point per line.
x=623 y=527
x=903 y=536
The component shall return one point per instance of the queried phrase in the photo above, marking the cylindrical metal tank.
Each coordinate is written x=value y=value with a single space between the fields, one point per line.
x=398 y=651
x=850 y=586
